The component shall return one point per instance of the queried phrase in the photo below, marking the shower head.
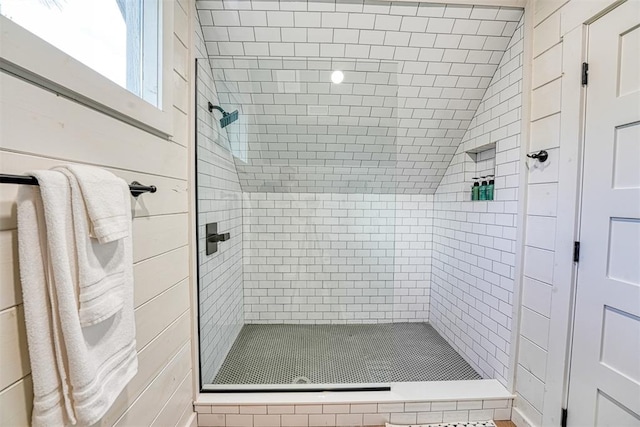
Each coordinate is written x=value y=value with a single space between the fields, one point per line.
x=227 y=118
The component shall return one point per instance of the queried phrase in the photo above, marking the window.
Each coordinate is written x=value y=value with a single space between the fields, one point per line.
x=120 y=39
x=115 y=56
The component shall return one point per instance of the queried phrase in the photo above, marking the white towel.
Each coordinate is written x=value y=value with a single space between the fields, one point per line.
x=103 y=193
x=77 y=372
x=101 y=266
x=51 y=405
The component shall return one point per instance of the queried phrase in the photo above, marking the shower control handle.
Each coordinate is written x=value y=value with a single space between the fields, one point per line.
x=219 y=237
x=212 y=238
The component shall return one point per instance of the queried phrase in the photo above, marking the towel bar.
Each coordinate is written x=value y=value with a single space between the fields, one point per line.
x=135 y=187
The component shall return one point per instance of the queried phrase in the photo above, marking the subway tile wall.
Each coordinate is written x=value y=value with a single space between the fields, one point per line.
x=353 y=414
x=474 y=243
x=310 y=255
x=336 y=258
x=219 y=200
x=414 y=76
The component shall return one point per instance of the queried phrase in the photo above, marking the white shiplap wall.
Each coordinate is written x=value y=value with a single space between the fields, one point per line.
x=219 y=200
x=39 y=130
x=337 y=258
x=474 y=243
x=541 y=230
x=559 y=38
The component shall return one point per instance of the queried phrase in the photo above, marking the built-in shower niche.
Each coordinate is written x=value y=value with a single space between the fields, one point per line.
x=480 y=162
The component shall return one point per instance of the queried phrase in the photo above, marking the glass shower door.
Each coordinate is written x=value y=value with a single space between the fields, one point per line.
x=315 y=162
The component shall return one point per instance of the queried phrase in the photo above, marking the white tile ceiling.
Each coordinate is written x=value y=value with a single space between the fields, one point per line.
x=414 y=76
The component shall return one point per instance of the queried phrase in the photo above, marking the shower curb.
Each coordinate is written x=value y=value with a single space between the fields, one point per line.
x=406 y=403
x=368 y=414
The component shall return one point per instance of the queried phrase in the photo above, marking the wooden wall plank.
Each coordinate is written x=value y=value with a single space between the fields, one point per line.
x=188 y=418
x=16 y=403
x=14 y=353
x=10 y=290
x=143 y=411
x=181 y=25
x=39 y=122
x=171 y=197
x=545 y=100
x=171 y=303
x=181 y=126
x=172 y=411
x=15 y=357
x=151 y=360
x=151 y=277
x=154 y=235
x=156 y=275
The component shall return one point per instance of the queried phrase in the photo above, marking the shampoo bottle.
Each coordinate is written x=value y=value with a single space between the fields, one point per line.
x=483 y=189
x=475 y=190
x=490 y=187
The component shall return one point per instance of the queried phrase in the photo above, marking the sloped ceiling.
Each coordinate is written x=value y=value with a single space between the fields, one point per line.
x=414 y=75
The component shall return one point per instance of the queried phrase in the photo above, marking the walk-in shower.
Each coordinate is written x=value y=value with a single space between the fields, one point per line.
x=354 y=255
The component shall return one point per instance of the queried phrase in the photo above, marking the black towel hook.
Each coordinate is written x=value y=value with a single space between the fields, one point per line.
x=541 y=155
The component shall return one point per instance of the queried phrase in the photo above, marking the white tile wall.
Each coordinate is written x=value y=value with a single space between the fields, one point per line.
x=474 y=242
x=219 y=200
x=414 y=76
x=352 y=414
x=336 y=258
x=313 y=255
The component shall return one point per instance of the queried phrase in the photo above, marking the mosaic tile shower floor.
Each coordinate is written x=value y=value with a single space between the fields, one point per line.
x=339 y=354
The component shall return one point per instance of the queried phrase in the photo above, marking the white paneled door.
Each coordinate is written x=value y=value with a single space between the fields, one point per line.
x=604 y=385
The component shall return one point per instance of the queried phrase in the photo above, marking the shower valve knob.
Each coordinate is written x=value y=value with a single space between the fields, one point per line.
x=219 y=237
x=212 y=238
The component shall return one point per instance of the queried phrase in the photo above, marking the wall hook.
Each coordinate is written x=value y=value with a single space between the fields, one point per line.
x=137 y=189
x=541 y=155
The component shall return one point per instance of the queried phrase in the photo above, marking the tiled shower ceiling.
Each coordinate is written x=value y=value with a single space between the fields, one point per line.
x=414 y=75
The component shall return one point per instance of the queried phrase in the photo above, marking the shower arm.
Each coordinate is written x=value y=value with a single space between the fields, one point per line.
x=216 y=107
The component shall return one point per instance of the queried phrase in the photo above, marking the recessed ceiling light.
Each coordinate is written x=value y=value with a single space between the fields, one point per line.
x=337 y=76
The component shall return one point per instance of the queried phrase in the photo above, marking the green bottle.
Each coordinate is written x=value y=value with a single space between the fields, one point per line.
x=483 y=189
x=475 y=190
x=490 y=187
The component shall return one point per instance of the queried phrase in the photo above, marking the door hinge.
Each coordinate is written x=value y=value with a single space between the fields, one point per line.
x=576 y=251
x=585 y=74
x=563 y=419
